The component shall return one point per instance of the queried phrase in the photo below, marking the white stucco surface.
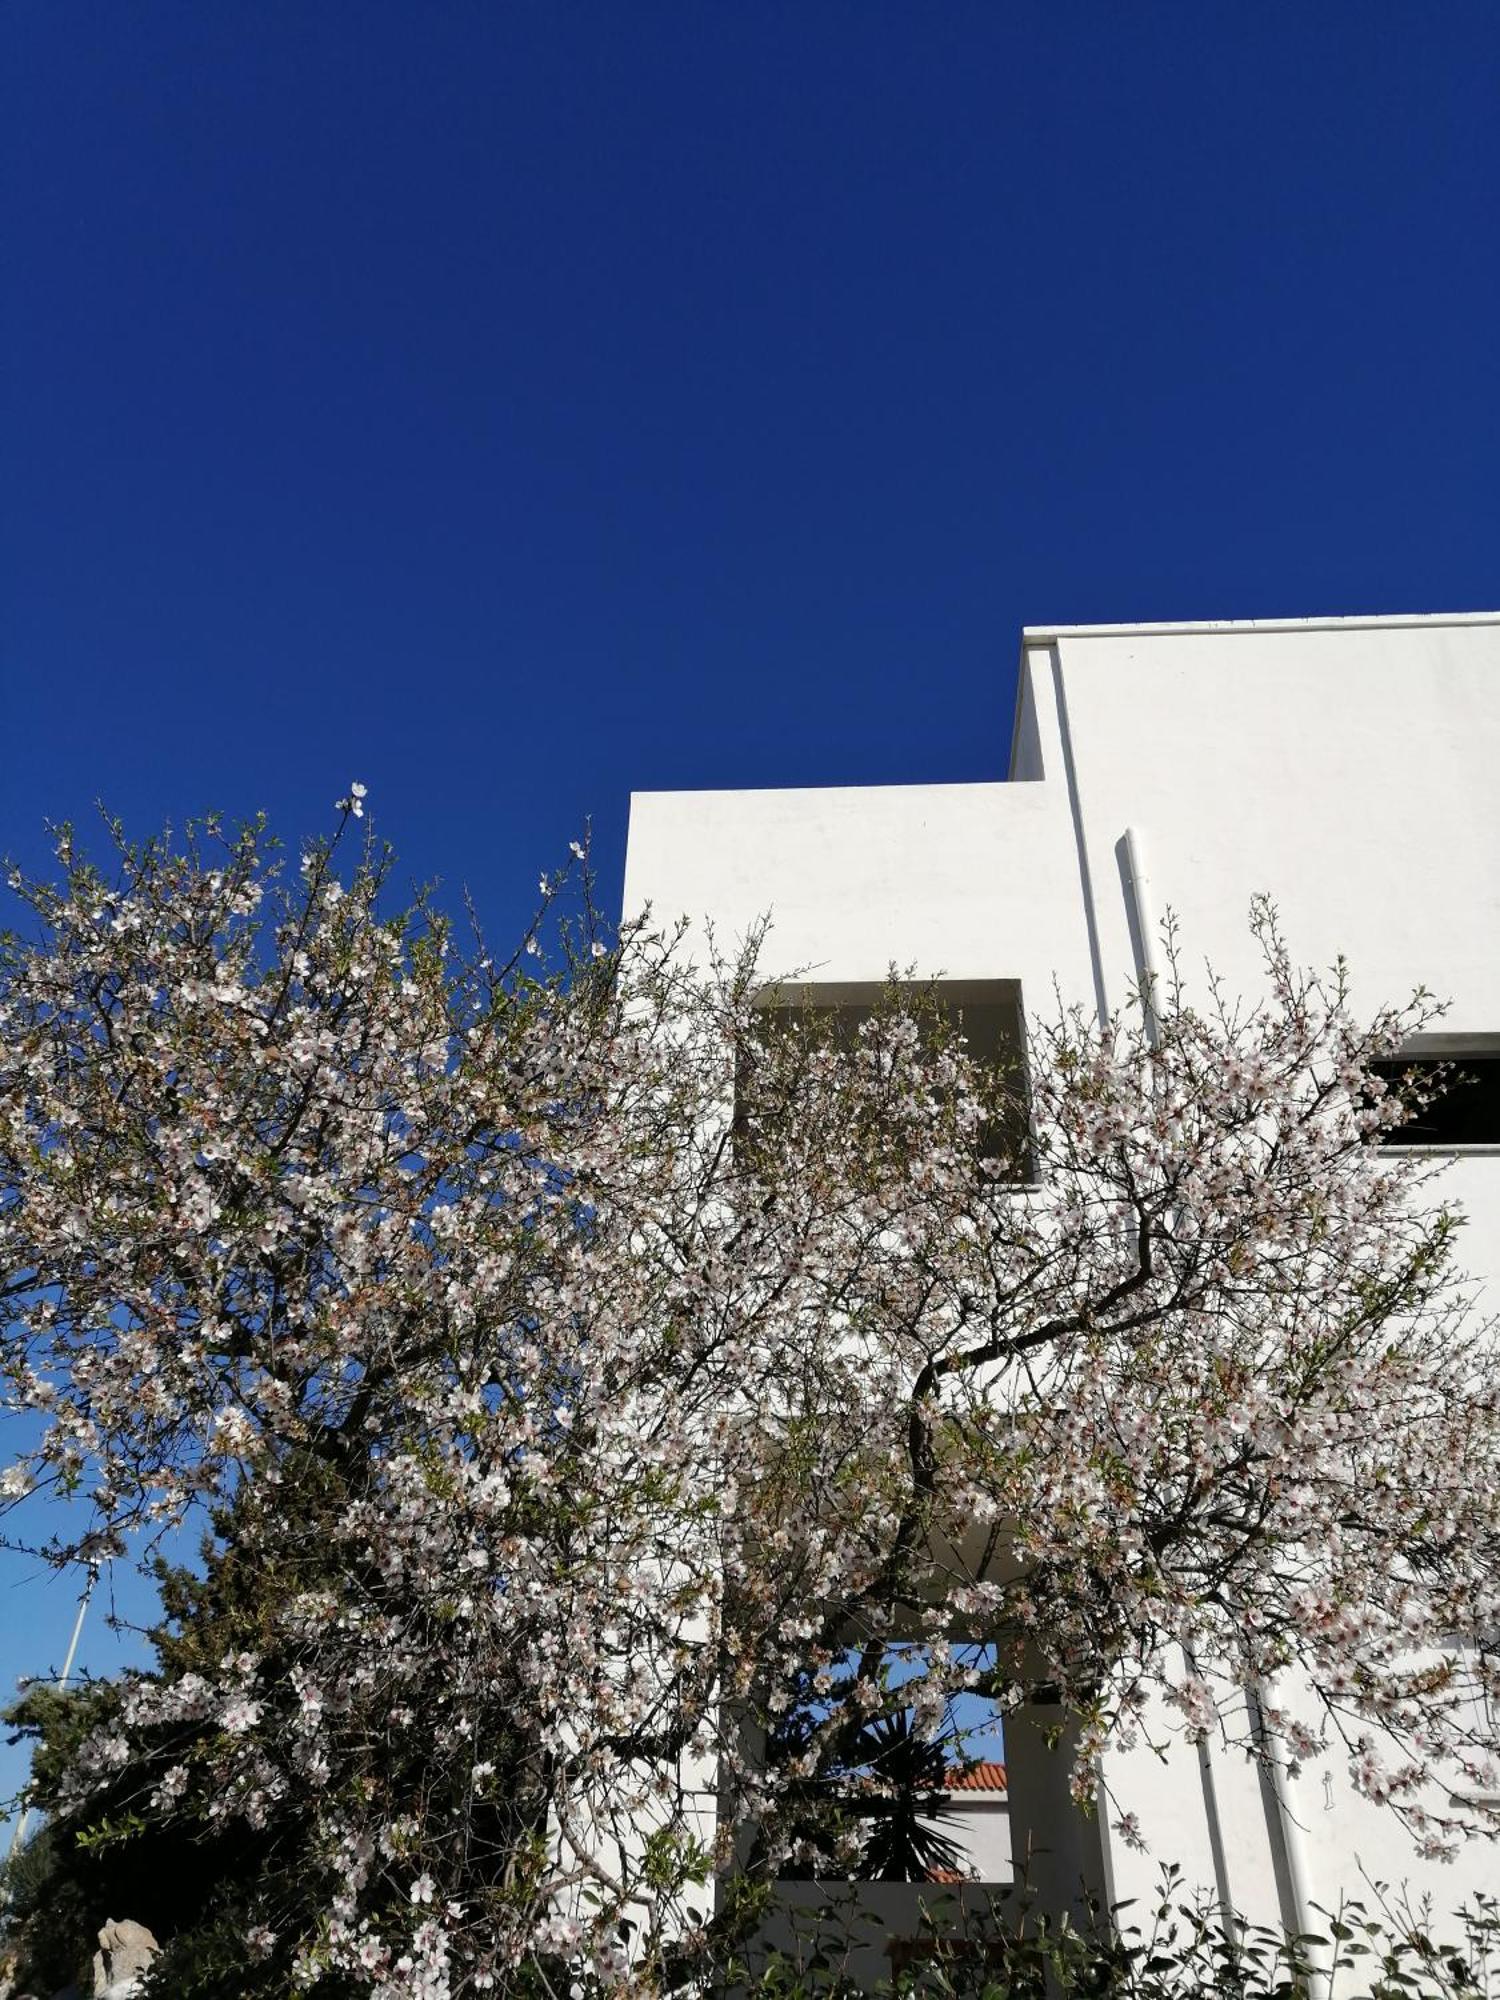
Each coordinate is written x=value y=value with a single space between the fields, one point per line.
x=1349 y=769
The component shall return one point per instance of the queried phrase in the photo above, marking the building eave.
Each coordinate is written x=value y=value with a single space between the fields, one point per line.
x=1041 y=635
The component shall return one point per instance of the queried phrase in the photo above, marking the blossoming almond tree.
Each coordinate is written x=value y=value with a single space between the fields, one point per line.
x=579 y=1426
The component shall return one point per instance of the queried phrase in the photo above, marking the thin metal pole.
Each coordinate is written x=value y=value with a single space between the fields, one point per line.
x=66 y=1675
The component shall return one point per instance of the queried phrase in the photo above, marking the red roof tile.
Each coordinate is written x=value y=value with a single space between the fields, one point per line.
x=984 y=1777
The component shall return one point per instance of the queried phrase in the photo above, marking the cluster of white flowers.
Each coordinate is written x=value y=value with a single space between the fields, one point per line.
x=625 y=1421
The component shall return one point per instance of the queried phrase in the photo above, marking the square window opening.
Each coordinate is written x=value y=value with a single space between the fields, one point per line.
x=987 y=1012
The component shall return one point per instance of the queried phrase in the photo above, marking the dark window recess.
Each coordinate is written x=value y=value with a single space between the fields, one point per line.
x=1466 y=1109
x=987 y=1011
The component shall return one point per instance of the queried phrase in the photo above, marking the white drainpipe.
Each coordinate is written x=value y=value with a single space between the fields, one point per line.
x=1289 y=1832
x=1143 y=916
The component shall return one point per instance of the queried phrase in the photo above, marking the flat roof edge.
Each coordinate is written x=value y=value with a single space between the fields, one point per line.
x=1032 y=635
x=905 y=789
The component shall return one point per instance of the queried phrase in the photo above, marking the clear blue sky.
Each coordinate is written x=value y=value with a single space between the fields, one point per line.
x=511 y=405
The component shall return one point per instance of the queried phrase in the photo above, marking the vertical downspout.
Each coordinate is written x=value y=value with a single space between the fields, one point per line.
x=1288 y=1831
x=1143 y=931
x=1075 y=807
x=1142 y=918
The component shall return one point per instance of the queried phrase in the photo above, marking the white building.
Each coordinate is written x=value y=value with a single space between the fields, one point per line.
x=1348 y=767
x=978 y=1819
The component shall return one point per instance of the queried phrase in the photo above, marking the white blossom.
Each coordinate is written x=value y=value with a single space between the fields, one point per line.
x=625 y=1410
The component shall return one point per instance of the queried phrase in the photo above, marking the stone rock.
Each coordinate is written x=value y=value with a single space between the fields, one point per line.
x=125 y=1952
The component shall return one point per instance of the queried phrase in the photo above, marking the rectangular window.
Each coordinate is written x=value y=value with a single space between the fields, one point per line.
x=987 y=1012
x=1464 y=1114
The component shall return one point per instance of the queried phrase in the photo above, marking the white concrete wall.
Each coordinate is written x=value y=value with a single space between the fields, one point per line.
x=973 y=881
x=980 y=1823
x=1349 y=769
x=848 y=1928
x=1352 y=773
